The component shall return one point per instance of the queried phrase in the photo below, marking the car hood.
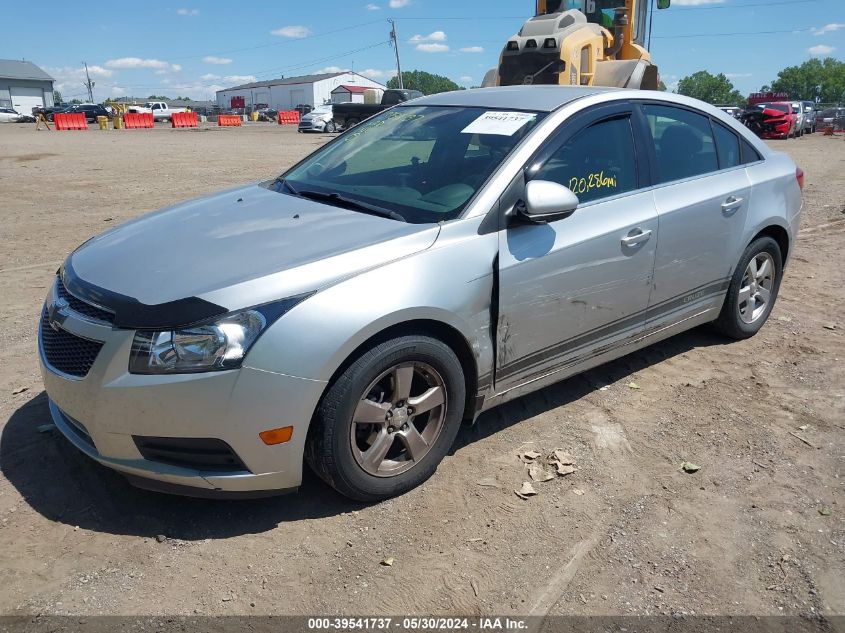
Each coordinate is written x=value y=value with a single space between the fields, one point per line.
x=238 y=248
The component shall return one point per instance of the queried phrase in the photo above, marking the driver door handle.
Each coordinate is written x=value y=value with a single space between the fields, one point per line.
x=636 y=238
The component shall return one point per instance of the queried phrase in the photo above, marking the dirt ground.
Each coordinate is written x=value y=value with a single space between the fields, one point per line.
x=759 y=529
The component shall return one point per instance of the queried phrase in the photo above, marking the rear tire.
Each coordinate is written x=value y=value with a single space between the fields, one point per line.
x=752 y=291
x=388 y=420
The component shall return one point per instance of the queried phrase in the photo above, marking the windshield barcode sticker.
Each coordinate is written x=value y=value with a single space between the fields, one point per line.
x=502 y=123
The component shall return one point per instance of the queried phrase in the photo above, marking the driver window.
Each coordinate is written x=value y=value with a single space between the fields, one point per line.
x=596 y=163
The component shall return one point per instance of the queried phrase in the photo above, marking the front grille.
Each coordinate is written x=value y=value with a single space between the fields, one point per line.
x=198 y=453
x=82 y=307
x=66 y=352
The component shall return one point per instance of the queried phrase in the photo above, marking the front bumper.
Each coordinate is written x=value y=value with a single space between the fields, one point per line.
x=105 y=411
x=312 y=126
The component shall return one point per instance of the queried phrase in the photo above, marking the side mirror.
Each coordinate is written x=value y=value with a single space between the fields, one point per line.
x=545 y=201
x=663 y=4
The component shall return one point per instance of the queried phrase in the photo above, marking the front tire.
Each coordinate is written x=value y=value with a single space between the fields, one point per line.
x=752 y=291
x=330 y=127
x=388 y=420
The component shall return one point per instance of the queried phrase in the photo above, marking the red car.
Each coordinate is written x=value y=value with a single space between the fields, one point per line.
x=772 y=120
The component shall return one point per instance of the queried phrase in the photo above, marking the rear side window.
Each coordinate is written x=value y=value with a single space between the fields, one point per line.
x=727 y=146
x=683 y=142
x=749 y=154
x=597 y=162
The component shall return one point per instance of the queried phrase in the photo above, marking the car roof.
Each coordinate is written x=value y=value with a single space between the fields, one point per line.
x=539 y=98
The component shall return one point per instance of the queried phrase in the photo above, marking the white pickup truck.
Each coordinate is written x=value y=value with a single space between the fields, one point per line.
x=159 y=109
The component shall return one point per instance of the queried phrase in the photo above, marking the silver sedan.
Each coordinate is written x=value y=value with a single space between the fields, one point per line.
x=441 y=258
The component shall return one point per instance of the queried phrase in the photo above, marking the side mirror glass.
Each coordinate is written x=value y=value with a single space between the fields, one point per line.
x=663 y=4
x=545 y=201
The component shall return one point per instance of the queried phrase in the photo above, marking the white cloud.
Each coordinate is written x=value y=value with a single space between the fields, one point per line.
x=239 y=79
x=374 y=73
x=737 y=75
x=118 y=91
x=372 y=7
x=433 y=48
x=294 y=31
x=330 y=69
x=213 y=59
x=436 y=36
x=820 y=50
x=466 y=79
x=137 y=62
x=210 y=77
x=472 y=49
x=828 y=28
x=694 y=3
x=188 y=11
x=398 y=4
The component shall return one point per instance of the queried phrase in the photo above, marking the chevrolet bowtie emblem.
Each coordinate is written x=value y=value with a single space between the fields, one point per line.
x=57 y=313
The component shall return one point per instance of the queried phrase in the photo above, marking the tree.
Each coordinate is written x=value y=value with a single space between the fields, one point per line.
x=426 y=83
x=662 y=86
x=710 y=88
x=57 y=96
x=158 y=98
x=75 y=101
x=814 y=80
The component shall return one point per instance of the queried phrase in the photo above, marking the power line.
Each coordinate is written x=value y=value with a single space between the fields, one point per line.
x=670 y=37
x=741 y=6
x=321 y=60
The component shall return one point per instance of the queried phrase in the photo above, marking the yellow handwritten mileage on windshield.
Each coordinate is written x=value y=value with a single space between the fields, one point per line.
x=592 y=181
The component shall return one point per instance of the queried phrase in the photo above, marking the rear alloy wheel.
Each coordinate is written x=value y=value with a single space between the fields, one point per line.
x=753 y=290
x=389 y=419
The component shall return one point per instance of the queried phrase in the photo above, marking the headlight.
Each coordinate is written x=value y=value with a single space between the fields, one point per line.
x=215 y=346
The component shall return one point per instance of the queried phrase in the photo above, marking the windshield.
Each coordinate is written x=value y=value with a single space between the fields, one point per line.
x=423 y=163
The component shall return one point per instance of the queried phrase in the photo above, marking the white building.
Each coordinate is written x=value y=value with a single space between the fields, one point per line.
x=287 y=93
x=24 y=86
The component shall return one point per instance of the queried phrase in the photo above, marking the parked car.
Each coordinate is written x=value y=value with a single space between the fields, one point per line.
x=320 y=119
x=160 y=110
x=771 y=120
x=9 y=115
x=49 y=110
x=798 y=112
x=347 y=115
x=303 y=109
x=734 y=111
x=267 y=114
x=831 y=117
x=809 y=116
x=90 y=110
x=446 y=256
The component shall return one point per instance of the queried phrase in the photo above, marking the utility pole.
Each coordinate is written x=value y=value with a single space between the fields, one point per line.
x=395 y=43
x=89 y=84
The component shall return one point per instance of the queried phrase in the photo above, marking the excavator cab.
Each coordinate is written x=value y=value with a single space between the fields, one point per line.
x=580 y=42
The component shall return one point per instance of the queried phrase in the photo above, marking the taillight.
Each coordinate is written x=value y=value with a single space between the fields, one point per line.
x=799 y=176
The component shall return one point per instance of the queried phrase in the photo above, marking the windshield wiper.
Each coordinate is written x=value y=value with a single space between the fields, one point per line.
x=350 y=203
x=281 y=182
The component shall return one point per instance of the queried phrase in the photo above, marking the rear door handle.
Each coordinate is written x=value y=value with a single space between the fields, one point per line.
x=731 y=203
x=636 y=238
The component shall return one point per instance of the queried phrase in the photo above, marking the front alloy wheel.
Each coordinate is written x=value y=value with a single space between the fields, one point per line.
x=388 y=419
x=392 y=429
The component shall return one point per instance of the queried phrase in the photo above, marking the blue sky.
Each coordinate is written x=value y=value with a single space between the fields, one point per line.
x=194 y=47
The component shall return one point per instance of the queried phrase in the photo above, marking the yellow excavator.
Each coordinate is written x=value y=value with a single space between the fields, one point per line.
x=581 y=43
